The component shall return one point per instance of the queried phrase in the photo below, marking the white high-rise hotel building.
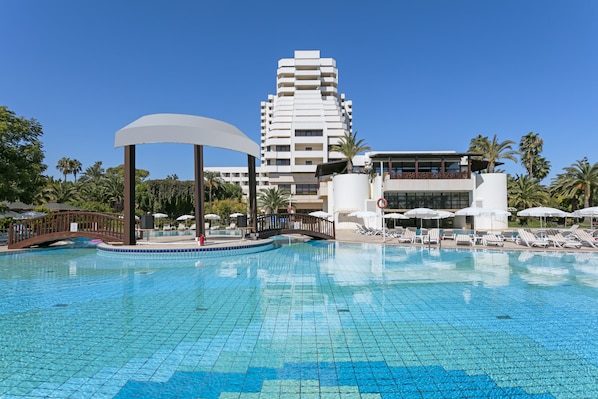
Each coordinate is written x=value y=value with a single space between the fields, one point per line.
x=299 y=126
x=307 y=116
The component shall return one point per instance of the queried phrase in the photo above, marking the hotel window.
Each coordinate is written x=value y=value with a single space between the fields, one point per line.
x=283 y=148
x=283 y=162
x=306 y=189
x=308 y=162
x=309 y=133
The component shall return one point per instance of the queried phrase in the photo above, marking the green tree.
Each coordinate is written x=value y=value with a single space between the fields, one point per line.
x=21 y=157
x=272 y=199
x=75 y=167
x=113 y=187
x=580 y=180
x=530 y=148
x=525 y=192
x=94 y=173
x=229 y=191
x=64 y=166
x=493 y=151
x=63 y=192
x=211 y=181
x=349 y=146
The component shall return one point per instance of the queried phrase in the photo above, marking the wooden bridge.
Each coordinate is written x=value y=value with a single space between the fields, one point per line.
x=57 y=226
x=48 y=229
x=295 y=223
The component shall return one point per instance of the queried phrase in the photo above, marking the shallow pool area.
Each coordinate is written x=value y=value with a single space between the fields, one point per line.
x=315 y=319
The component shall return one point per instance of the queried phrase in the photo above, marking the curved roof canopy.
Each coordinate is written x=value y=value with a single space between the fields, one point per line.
x=185 y=129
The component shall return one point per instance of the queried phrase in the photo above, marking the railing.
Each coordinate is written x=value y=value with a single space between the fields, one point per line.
x=295 y=223
x=430 y=175
x=60 y=225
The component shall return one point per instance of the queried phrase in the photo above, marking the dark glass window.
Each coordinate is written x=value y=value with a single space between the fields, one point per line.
x=308 y=133
x=306 y=189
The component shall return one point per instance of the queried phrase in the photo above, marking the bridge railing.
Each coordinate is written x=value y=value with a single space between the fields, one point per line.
x=58 y=225
x=296 y=222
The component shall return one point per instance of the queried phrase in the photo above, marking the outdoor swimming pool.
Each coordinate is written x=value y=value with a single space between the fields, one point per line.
x=316 y=319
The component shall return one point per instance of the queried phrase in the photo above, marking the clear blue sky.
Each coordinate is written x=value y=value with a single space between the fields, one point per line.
x=422 y=74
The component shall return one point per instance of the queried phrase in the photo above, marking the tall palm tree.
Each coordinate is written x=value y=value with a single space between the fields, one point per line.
x=93 y=173
x=349 y=146
x=75 y=167
x=530 y=147
x=541 y=168
x=579 y=180
x=272 y=199
x=64 y=166
x=211 y=181
x=525 y=192
x=493 y=151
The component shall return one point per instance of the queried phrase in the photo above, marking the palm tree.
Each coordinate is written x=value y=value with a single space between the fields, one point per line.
x=212 y=181
x=492 y=151
x=74 y=167
x=530 y=148
x=64 y=166
x=61 y=192
x=272 y=199
x=93 y=173
x=349 y=146
x=579 y=179
x=525 y=192
x=541 y=168
x=113 y=188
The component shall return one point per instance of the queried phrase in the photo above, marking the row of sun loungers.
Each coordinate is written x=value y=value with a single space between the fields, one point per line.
x=572 y=238
x=575 y=239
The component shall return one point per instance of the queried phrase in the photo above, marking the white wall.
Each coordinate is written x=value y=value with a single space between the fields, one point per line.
x=491 y=193
x=349 y=193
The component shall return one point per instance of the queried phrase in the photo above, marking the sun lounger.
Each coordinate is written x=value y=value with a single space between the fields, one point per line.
x=509 y=235
x=463 y=239
x=585 y=238
x=448 y=234
x=529 y=239
x=493 y=239
x=558 y=240
x=433 y=237
x=408 y=236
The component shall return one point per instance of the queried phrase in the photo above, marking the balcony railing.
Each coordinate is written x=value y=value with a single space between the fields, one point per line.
x=430 y=175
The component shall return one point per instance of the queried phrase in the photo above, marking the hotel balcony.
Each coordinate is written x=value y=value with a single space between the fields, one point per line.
x=428 y=181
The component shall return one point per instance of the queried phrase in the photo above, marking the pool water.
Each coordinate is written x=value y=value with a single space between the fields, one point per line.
x=316 y=320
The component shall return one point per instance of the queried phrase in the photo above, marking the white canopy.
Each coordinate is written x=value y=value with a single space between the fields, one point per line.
x=185 y=129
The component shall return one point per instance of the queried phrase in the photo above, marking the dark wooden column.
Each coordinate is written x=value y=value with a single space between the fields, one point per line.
x=200 y=226
x=129 y=205
x=252 y=193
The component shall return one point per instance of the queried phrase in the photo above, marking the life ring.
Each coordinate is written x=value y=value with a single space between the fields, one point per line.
x=381 y=203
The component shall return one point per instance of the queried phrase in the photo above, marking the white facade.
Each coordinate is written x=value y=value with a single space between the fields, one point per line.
x=307 y=116
x=301 y=123
x=239 y=175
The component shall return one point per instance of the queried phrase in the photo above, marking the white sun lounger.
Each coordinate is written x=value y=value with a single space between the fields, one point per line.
x=529 y=239
x=493 y=239
x=558 y=240
x=463 y=239
x=585 y=238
